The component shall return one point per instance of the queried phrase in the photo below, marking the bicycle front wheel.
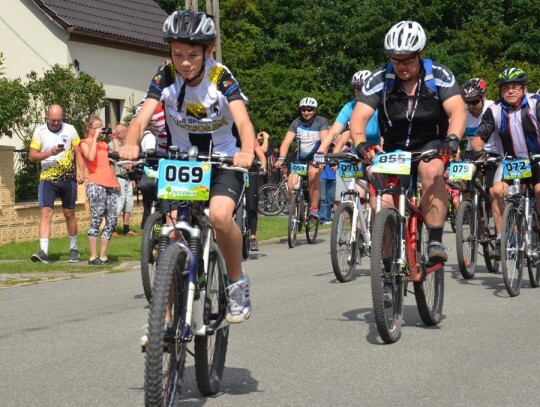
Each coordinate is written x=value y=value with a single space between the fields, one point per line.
x=211 y=349
x=165 y=354
x=272 y=200
x=466 y=241
x=387 y=284
x=429 y=293
x=149 y=252
x=294 y=219
x=342 y=243
x=511 y=249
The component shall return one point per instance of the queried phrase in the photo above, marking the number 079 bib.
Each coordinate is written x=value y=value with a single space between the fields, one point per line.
x=184 y=180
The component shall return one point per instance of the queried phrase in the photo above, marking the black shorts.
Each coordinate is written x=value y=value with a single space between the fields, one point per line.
x=227 y=183
x=66 y=190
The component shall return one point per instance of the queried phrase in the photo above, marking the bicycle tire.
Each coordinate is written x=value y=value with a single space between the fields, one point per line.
x=239 y=218
x=342 y=248
x=466 y=242
x=165 y=358
x=149 y=252
x=533 y=266
x=312 y=226
x=511 y=253
x=211 y=350
x=490 y=237
x=294 y=220
x=387 y=285
x=272 y=200
x=429 y=293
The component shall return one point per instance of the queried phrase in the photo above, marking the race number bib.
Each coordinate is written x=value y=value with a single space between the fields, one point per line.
x=460 y=171
x=184 y=180
x=516 y=169
x=298 y=168
x=397 y=162
x=349 y=170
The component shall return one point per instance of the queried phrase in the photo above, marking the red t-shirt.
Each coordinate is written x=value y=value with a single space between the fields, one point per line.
x=99 y=169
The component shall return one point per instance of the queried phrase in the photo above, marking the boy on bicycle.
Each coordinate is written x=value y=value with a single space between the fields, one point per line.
x=204 y=105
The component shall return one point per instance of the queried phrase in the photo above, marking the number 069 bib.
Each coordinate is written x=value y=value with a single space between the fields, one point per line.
x=184 y=180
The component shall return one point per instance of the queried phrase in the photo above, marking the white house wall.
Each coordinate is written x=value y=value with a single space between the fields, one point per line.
x=30 y=41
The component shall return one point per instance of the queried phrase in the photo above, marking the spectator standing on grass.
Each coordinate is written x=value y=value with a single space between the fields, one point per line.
x=124 y=197
x=55 y=145
x=101 y=189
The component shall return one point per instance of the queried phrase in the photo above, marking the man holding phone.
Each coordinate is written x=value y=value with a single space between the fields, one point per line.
x=55 y=145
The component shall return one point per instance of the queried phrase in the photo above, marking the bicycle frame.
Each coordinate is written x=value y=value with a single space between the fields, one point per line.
x=359 y=213
x=409 y=216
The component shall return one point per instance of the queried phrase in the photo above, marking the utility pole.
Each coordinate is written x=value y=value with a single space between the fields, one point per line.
x=212 y=8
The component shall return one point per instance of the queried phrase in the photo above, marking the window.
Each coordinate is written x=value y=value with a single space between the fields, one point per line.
x=113 y=112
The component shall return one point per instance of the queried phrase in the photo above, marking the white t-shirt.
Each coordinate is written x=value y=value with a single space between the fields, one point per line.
x=472 y=124
x=148 y=141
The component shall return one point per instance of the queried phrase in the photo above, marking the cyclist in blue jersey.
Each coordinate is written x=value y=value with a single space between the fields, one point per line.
x=420 y=107
x=204 y=106
x=309 y=129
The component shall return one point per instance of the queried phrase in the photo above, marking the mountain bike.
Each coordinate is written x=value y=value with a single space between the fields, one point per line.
x=350 y=236
x=399 y=250
x=475 y=223
x=189 y=283
x=519 y=235
x=451 y=213
x=273 y=197
x=299 y=208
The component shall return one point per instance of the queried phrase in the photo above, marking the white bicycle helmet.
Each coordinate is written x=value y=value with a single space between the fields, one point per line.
x=360 y=77
x=406 y=37
x=308 y=102
x=189 y=26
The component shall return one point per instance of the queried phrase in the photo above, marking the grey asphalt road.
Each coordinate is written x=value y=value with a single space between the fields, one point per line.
x=311 y=341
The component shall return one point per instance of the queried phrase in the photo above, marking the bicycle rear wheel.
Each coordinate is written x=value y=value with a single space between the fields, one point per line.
x=149 y=251
x=429 y=293
x=387 y=284
x=466 y=242
x=312 y=226
x=342 y=245
x=165 y=354
x=511 y=253
x=490 y=236
x=294 y=219
x=211 y=349
x=272 y=200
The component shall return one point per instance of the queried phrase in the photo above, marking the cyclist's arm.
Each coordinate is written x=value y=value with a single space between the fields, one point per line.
x=286 y=143
x=359 y=119
x=260 y=155
x=332 y=135
x=342 y=140
x=247 y=134
x=137 y=126
x=455 y=109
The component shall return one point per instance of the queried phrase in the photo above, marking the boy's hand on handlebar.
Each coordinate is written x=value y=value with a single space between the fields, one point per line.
x=129 y=152
x=243 y=159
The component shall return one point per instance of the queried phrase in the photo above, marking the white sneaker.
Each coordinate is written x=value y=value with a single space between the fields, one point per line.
x=239 y=304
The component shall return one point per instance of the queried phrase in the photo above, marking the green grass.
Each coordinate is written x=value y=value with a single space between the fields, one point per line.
x=15 y=257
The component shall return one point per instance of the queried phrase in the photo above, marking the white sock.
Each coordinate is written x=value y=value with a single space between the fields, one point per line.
x=73 y=242
x=44 y=245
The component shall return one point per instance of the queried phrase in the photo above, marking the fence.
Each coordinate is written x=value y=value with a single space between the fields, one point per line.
x=19 y=221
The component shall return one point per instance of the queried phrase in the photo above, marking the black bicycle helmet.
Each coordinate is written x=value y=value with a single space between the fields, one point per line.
x=512 y=75
x=474 y=87
x=189 y=26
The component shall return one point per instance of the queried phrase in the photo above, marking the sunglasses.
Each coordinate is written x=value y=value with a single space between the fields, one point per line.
x=404 y=61
x=473 y=102
x=307 y=109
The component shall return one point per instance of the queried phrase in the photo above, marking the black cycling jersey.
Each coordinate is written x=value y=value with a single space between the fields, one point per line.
x=410 y=128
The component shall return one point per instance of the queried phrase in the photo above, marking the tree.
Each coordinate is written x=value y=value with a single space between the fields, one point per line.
x=14 y=102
